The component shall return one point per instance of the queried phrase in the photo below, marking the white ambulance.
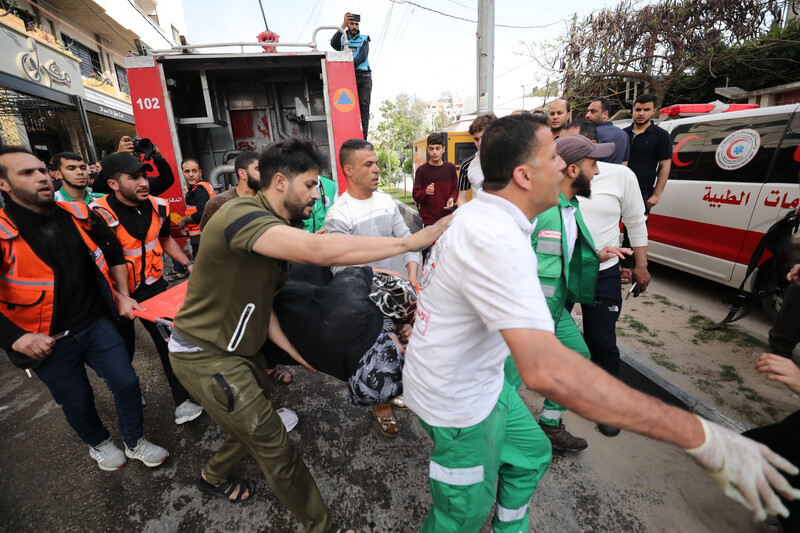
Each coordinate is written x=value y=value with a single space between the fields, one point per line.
x=734 y=174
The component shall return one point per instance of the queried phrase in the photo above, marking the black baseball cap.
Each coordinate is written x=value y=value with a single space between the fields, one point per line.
x=122 y=162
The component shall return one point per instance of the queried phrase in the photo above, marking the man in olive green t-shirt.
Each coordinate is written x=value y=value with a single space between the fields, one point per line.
x=215 y=347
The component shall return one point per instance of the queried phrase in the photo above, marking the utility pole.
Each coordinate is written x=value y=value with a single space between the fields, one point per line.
x=485 y=42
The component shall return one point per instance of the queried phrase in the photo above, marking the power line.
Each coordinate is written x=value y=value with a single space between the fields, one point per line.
x=473 y=21
x=383 y=31
x=300 y=35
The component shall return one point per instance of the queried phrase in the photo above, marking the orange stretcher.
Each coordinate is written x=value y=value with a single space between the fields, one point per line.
x=162 y=308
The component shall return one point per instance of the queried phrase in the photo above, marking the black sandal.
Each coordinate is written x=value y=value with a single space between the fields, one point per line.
x=224 y=490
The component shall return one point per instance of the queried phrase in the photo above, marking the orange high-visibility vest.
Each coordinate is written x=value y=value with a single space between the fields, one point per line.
x=142 y=256
x=27 y=284
x=194 y=229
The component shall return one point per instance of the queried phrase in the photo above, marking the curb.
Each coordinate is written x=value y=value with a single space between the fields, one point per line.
x=638 y=375
x=410 y=216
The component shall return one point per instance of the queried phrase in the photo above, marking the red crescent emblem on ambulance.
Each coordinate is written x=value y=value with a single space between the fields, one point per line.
x=728 y=151
x=797 y=154
x=675 y=159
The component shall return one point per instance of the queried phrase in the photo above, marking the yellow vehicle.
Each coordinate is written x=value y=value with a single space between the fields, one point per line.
x=458 y=146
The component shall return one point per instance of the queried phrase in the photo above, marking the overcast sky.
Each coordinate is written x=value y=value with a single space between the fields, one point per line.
x=412 y=49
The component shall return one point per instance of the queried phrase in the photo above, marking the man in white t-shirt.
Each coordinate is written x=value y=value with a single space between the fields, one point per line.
x=481 y=297
x=364 y=210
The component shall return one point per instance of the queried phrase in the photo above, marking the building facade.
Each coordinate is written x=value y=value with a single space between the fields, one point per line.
x=63 y=83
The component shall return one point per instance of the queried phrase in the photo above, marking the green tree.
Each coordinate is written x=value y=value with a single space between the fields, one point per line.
x=412 y=108
x=394 y=132
x=652 y=43
x=441 y=121
x=772 y=59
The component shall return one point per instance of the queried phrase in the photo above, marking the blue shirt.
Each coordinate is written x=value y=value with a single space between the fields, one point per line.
x=609 y=133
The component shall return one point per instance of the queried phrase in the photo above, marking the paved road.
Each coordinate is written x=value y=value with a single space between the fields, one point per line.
x=49 y=483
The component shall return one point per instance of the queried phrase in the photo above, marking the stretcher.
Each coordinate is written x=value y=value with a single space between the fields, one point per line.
x=162 y=308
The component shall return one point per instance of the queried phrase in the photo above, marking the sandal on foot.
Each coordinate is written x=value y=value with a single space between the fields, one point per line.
x=625 y=276
x=398 y=403
x=224 y=490
x=386 y=422
x=280 y=375
x=176 y=276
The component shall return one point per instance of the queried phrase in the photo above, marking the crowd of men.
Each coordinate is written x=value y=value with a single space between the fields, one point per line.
x=541 y=234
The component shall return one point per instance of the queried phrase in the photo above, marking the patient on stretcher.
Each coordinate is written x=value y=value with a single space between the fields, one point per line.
x=353 y=328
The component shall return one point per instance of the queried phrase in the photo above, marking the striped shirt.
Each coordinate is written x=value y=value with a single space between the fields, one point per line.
x=463 y=174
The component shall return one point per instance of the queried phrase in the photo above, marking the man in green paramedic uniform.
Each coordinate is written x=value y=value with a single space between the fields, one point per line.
x=561 y=232
x=480 y=298
x=227 y=315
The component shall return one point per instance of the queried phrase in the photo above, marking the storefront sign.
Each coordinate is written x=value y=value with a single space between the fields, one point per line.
x=38 y=63
x=107 y=111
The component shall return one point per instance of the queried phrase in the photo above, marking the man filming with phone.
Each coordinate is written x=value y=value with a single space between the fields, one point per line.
x=350 y=35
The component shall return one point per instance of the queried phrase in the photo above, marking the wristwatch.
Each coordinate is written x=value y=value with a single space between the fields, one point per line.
x=188 y=263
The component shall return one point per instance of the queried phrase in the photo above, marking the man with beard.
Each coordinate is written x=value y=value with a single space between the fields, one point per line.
x=558 y=116
x=246 y=167
x=225 y=320
x=567 y=266
x=363 y=210
x=615 y=196
x=72 y=171
x=58 y=307
x=141 y=223
x=358 y=43
x=607 y=132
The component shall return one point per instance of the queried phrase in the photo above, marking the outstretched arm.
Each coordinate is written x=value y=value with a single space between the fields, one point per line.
x=276 y=335
x=745 y=470
x=328 y=249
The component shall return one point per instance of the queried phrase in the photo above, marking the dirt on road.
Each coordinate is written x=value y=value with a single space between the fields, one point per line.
x=716 y=367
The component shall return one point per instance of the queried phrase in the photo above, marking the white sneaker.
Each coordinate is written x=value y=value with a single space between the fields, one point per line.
x=288 y=417
x=186 y=412
x=147 y=452
x=108 y=456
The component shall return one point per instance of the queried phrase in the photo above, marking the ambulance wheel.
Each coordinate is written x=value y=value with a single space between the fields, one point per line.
x=767 y=287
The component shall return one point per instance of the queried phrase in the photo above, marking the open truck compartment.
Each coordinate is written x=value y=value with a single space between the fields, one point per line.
x=226 y=103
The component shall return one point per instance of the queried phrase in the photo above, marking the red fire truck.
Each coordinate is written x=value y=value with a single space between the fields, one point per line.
x=197 y=101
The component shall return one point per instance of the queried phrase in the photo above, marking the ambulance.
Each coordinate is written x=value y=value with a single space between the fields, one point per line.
x=734 y=174
x=211 y=101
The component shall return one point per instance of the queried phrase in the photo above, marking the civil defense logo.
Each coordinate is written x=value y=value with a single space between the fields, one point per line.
x=738 y=149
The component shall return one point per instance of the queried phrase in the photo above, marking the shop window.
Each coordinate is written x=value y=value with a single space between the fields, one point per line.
x=122 y=79
x=90 y=60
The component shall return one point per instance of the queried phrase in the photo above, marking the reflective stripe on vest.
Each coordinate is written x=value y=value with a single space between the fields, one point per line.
x=27 y=284
x=548 y=290
x=194 y=229
x=139 y=255
x=546 y=246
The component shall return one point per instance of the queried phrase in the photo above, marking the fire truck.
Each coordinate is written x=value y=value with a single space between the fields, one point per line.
x=210 y=102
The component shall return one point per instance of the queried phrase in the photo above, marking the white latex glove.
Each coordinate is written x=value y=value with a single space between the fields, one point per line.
x=745 y=470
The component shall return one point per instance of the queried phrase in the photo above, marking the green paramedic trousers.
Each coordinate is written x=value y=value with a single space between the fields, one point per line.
x=501 y=458
x=570 y=336
x=234 y=392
